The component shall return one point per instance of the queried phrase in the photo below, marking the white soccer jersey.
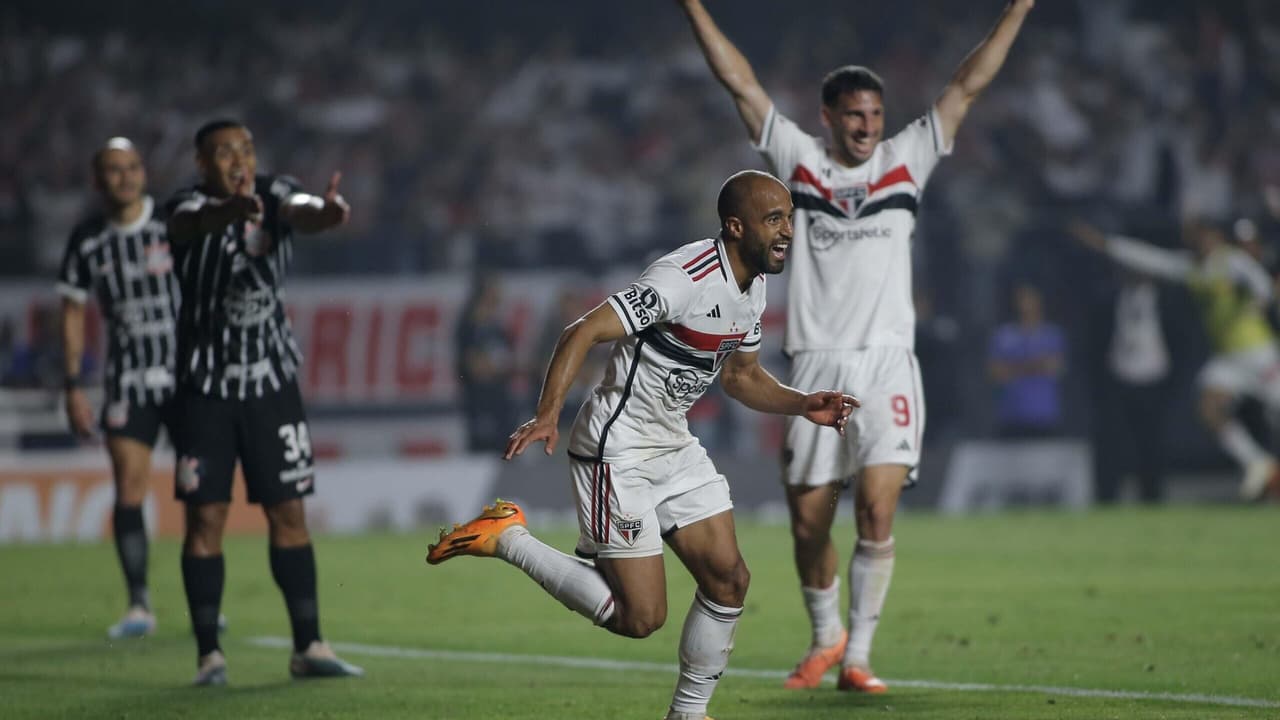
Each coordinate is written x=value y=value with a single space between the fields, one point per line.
x=850 y=284
x=685 y=316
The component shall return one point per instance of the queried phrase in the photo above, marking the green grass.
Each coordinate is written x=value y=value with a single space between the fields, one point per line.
x=1179 y=600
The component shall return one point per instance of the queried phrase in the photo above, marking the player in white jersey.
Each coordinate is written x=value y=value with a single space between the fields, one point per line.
x=639 y=476
x=850 y=321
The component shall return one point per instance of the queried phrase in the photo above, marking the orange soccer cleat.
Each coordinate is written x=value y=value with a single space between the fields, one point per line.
x=860 y=680
x=810 y=669
x=478 y=537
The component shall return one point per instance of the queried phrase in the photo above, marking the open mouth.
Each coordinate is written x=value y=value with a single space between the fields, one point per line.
x=778 y=251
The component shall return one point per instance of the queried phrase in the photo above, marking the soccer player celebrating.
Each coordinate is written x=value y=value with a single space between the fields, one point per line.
x=850 y=321
x=238 y=395
x=1233 y=292
x=638 y=475
x=121 y=253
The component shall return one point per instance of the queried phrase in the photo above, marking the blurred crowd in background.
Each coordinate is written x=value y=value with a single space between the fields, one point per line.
x=488 y=136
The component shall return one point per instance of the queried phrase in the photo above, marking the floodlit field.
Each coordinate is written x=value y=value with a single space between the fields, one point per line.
x=1111 y=614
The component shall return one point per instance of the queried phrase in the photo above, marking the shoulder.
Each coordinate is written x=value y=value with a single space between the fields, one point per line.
x=89 y=226
x=279 y=186
x=187 y=198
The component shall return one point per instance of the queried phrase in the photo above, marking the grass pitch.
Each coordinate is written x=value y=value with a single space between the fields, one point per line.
x=1156 y=606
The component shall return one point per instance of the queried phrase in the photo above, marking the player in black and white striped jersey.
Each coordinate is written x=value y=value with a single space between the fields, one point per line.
x=238 y=395
x=120 y=254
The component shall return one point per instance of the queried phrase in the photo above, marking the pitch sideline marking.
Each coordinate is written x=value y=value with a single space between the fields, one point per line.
x=607 y=664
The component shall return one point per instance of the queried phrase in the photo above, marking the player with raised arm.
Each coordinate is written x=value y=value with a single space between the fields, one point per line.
x=121 y=254
x=850 y=319
x=639 y=476
x=238 y=395
x=1233 y=291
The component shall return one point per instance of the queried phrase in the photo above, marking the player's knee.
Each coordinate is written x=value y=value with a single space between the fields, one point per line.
x=730 y=587
x=807 y=533
x=639 y=622
x=203 y=536
x=287 y=523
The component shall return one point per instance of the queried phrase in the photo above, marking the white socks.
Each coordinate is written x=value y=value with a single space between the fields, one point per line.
x=705 y=644
x=1240 y=445
x=869 y=573
x=568 y=579
x=823 y=605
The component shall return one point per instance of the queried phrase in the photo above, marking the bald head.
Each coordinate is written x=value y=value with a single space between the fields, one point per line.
x=742 y=190
x=115 y=144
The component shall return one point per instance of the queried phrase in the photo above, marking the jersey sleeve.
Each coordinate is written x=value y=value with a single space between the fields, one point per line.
x=920 y=146
x=1150 y=260
x=662 y=293
x=782 y=143
x=1249 y=275
x=282 y=187
x=74 y=278
x=751 y=343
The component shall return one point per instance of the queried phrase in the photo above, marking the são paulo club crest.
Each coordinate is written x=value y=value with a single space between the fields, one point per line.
x=629 y=527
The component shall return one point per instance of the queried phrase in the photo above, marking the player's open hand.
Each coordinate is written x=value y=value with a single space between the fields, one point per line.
x=336 y=210
x=79 y=413
x=827 y=407
x=1087 y=235
x=244 y=203
x=532 y=431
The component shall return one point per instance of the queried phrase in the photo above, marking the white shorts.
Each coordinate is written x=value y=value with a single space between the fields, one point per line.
x=886 y=430
x=1254 y=372
x=625 y=511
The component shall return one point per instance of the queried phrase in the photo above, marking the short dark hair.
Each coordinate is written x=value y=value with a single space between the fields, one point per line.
x=847 y=79
x=214 y=126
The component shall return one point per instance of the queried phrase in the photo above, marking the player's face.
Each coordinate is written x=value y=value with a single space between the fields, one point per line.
x=856 y=122
x=120 y=177
x=766 y=235
x=228 y=162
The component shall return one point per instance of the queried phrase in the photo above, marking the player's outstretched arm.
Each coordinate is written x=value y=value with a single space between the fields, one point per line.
x=193 y=220
x=598 y=326
x=1145 y=258
x=317 y=213
x=730 y=67
x=979 y=68
x=79 y=411
x=744 y=379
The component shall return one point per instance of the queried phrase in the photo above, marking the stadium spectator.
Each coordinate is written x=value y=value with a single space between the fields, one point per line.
x=1134 y=390
x=486 y=367
x=1025 y=360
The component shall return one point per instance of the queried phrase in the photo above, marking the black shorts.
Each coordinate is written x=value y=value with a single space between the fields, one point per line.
x=268 y=435
x=124 y=418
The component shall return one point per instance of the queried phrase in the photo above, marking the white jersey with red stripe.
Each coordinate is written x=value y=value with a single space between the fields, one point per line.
x=684 y=316
x=850 y=260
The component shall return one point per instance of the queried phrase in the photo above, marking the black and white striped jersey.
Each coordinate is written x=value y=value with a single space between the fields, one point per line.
x=129 y=269
x=234 y=339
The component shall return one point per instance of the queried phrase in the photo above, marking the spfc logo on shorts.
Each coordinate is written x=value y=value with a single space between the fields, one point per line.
x=188 y=474
x=628 y=527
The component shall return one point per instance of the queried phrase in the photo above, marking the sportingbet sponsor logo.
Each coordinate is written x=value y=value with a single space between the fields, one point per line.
x=822 y=237
x=642 y=301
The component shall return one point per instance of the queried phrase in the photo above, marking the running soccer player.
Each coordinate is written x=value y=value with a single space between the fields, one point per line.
x=638 y=475
x=1233 y=291
x=850 y=320
x=238 y=395
x=121 y=254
